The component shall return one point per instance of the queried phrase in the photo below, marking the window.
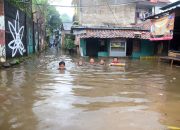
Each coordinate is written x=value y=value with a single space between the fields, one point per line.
x=119 y=46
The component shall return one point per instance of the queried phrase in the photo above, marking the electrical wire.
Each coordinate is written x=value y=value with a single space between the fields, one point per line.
x=85 y=6
x=112 y=11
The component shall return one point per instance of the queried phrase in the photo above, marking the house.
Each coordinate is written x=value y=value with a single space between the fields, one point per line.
x=165 y=28
x=113 y=42
x=114 y=27
x=114 y=12
x=65 y=31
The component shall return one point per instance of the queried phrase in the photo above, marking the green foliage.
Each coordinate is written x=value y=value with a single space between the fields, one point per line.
x=53 y=20
x=69 y=43
x=65 y=18
x=25 y=7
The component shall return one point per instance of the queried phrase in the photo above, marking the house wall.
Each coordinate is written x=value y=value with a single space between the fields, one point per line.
x=121 y=15
x=29 y=36
x=19 y=35
x=15 y=36
x=146 y=49
x=2 y=33
x=175 y=43
x=35 y=37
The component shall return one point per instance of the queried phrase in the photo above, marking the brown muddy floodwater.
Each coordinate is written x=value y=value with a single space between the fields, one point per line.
x=36 y=96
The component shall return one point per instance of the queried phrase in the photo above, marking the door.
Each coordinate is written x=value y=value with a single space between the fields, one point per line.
x=92 y=47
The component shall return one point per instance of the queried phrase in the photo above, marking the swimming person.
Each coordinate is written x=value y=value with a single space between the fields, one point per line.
x=62 y=65
x=115 y=60
x=80 y=63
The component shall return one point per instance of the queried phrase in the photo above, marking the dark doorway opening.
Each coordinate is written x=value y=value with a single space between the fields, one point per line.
x=103 y=46
x=129 y=47
x=175 y=43
x=92 y=47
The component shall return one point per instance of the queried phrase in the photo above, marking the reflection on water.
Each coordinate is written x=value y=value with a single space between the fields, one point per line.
x=36 y=96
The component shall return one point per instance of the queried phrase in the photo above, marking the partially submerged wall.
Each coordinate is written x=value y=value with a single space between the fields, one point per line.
x=2 y=33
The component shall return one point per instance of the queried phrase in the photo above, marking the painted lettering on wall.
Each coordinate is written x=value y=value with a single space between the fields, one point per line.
x=17 y=33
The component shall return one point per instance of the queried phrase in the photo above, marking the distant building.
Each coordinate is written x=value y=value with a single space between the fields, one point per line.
x=65 y=30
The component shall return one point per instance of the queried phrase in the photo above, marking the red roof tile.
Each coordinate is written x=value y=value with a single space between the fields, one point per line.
x=114 y=34
x=146 y=25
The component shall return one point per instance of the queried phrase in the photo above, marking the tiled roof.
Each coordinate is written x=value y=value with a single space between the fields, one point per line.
x=114 y=34
x=146 y=25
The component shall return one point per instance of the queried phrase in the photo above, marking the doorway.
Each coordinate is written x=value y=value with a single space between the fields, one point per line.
x=92 y=47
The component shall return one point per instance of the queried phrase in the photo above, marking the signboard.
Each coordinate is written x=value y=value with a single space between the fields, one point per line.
x=162 y=28
x=153 y=1
x=79 y=32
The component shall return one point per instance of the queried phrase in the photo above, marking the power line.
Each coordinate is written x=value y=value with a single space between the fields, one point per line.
x=88 y=6
x=112 y=11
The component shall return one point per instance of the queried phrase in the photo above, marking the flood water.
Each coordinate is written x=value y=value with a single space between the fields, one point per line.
x=145 y=95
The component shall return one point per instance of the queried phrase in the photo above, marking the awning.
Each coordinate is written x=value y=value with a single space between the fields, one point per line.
x=161 y=39
x=115 y=34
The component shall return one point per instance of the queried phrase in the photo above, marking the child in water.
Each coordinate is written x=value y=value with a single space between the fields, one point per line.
x=62 y=65
x=80 y=62
x=102 y=62
x=115 y=60
x=91 y=61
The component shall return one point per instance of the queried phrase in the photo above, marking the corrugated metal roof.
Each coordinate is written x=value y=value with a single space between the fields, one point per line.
x=67 y=26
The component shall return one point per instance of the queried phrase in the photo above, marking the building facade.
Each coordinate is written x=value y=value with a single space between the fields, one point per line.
x=114 y=27
x=114 y=12
x=19 y=35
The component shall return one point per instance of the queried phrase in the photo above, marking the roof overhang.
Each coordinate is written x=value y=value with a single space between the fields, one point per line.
x=110 y=33
x=163 y=13
x=175 y=4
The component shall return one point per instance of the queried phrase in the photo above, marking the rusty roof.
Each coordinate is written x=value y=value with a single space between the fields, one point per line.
x=114 y=34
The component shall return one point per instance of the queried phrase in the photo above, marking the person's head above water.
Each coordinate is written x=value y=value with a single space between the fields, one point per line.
x=91 y=61
x=115 y=60
x=62 y=65
x=102 y=62
x=80 y=62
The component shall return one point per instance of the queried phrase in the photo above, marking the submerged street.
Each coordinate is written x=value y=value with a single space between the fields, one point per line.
x=36 y=96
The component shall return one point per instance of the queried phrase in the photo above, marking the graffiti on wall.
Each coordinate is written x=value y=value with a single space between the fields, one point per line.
x=17 y=33
x=2 y=40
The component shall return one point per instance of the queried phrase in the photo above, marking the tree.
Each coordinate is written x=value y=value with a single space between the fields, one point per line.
x=52 y=16
x=69 y=43
x=23 y=6
x=65 y=18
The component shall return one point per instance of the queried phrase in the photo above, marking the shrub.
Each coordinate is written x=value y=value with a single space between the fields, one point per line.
x=69 y=43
